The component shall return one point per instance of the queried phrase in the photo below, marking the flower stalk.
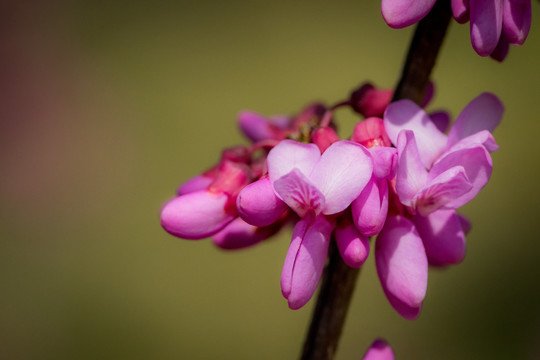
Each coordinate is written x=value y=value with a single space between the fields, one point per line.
x=339 y=279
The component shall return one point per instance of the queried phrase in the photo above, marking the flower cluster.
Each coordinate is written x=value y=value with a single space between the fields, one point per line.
x=495 y=24
x=398 y=176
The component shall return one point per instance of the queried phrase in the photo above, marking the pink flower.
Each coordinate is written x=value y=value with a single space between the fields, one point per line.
x=201 y=213
x=494 y=23
x=436 y=174
x=379 y=350
x=369 y=210
x=315 y=187
x=437 y=171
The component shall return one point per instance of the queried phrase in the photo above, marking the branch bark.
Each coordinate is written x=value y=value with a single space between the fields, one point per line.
x=339 y=280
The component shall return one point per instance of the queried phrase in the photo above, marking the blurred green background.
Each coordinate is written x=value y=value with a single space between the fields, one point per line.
x=107 y=106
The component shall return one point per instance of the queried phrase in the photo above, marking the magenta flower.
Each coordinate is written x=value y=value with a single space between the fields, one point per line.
x=436 y=174
x=379 y=350
x=437 y=171
x=201 y=213
x=494 y=23
x=369 y=210
x=315 y=187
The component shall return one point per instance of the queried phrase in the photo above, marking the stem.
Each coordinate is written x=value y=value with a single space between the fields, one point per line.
x=339 y=280
x=425 y=46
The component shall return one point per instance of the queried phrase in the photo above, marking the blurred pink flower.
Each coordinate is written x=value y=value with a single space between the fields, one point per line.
x=494 y=23
x=379 y=350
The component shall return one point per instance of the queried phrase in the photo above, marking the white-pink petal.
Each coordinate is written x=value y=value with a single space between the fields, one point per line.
x=483 y=113
x=341 y=174
x=297 y=191
x=289 y=155
x=406 y=115
x=411 y=175
x=477 y=164
x=441 y=191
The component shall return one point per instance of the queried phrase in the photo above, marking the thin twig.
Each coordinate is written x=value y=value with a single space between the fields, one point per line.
x=339 y=280
x=427 y=41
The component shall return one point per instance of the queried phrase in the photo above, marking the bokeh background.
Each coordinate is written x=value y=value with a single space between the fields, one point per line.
x=106 y=106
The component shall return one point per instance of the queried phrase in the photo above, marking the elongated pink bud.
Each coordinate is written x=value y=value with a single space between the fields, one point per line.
x=239 y=234
x=369 y=210
x=258 y=205
x=196 y=215
x=402 y=266
x=353 y=247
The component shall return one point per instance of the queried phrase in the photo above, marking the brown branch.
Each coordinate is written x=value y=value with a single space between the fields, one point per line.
x=339 y=280
x=425 y=46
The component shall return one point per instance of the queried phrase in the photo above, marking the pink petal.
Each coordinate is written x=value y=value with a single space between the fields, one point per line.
x=289 y=155
x=341 y=174
x=324 y=137
x=486 y=25
x=465 y=223
x=406 y=115
x=501 y=51
x=483 y=113
x=402 y=13
x=477 y=164
x=460 y=10
x=299 y=193
x=370 y=101
x=196 y=215
x=402 y=266
x=196 y=183
x=482 y=138
x=441 y=119
x=384 y=161
x=369 y=210
x=516 y=21
x=258 y=204
x=443 y=237
x=353 y=247
x=370 y=133
x=379 y=350
x=257 y=127
x=428 y=95
x=411 y=175
x=305 y=260
x=231 y=177
x=442 y=191
x=239 y=234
